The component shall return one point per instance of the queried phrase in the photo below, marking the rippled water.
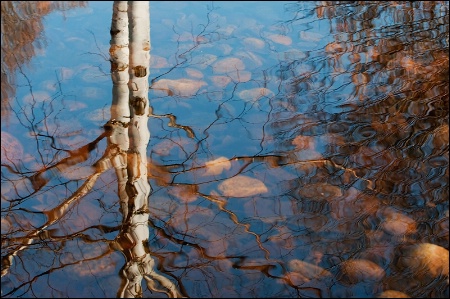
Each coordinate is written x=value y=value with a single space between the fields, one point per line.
x=297 y=149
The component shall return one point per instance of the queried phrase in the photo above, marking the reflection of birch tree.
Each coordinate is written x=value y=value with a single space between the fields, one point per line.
x=131 y=166
x=128 y=137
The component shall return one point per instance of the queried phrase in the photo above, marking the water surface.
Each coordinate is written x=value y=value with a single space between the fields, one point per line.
x=297 y=149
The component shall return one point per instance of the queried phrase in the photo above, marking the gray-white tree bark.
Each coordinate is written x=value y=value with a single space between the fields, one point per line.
x=134 y=188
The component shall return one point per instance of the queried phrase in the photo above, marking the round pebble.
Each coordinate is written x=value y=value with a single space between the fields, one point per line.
x=424 y=260
x=360 y=270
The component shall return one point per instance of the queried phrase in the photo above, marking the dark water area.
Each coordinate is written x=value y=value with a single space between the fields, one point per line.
x=296 y=149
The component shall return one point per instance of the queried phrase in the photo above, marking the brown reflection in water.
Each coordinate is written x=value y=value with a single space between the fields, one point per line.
x=22 y=33
x=391 y=125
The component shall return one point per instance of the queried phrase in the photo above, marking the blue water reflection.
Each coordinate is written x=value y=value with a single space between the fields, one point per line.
x=297 y=149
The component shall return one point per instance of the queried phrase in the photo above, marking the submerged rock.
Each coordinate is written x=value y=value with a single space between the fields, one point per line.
x=242 y=186
x=360 y=270
x=180 y=87
x=254 y=94
x=425 y=261
x=307 y=270
x=228 y=65
x=396 y=223
x=392 y=294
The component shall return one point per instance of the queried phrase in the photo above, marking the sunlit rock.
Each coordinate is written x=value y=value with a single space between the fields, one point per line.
x=254 y=94
x=280 y=39
x=396 y=223
x=253 y=43
x=307 y=270
x=242 y=186
x=228 y=65
x=180 y=87
x=217 y=166
x=12 y=150
x=426 y=261
x=392 y=294
x=359 y=270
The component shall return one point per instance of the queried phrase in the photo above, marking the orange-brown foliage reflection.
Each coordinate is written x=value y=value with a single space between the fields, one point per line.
x=22 y=35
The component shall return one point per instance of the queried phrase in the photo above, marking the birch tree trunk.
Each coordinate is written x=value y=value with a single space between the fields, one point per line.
x=134 y=235
x=138 y=188
x=127 y=136
x=120 y=110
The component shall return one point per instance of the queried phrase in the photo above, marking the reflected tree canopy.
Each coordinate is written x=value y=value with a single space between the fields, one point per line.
x=22 y=37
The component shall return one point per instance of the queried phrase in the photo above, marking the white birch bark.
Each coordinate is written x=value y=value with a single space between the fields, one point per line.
x=134 y=201
x=138 y=187
x=120 y=110
x=119 y=56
